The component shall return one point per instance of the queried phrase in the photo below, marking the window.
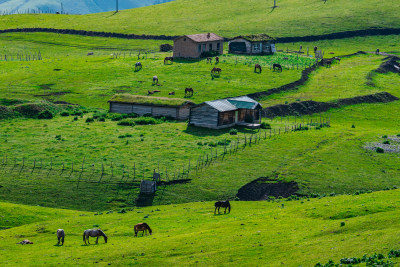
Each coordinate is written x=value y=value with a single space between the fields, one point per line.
x=204 y=47
x=218 y=46
x=210 y=47
x=256 y=47
x=184 y=39
x=199 y=48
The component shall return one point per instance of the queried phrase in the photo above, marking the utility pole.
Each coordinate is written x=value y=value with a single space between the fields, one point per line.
x=116 y=8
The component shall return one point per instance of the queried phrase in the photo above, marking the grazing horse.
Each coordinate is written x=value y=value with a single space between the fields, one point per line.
x=337 y=59
x=155 y=80
x=138 y=66
x=60 y=236
x=277 y=66
x=257 y=67
x=377 y=51
x=315 y=49
x=142 y=227
x=209 y=60
x=214 y=70
x=166 y=59
x=152 y=92
x=216 y=60
x=94 y=233
x=171 y=93
x=189 y=91
x=222 y=204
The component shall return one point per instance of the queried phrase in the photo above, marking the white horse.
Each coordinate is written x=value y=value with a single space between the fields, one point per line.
x=94 y=233
x=60 y=236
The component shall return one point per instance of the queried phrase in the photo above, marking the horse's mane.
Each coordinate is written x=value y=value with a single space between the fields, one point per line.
x=148 y=227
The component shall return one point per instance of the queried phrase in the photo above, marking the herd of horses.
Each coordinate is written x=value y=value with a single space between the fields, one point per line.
x=217 y=71
x=140 y=227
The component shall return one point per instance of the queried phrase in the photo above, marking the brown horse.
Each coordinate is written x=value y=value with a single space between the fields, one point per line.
x=257 y=67
x=171 y=93
x=209 y=60
x=216 y=60
x=214 y=70
x=277 y=66
x=152 y=92
x=142 y=227
x=222 y=204
x=170 y=59
x=189 y=91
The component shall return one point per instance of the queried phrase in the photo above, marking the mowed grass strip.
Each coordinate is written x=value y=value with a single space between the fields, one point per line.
x=226 y=17
x=254 y=233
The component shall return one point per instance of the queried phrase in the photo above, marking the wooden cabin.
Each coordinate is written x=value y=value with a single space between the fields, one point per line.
x=176 y=108
x=252 y=44
x=224 y=113
x=192 y=46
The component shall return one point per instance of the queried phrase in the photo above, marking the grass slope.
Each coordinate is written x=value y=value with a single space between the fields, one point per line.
x=227 y=17
x=254 y=233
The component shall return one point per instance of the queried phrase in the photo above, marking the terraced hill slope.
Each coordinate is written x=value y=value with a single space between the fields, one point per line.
x=228 y=18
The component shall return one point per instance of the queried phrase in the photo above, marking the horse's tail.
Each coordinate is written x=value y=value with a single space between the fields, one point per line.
x=84 y=234
x=229 y=206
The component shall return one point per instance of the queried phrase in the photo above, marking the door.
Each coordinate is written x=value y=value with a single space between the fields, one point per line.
x=236 y=116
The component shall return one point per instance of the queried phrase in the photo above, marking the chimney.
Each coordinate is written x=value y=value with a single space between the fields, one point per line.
x=208 y=35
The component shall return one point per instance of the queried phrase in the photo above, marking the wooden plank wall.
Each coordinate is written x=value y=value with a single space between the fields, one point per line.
x=204 y=116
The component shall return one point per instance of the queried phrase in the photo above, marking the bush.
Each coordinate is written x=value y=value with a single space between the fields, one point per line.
x=386 y=142
x=77 y=113
x=380 y=150
x=342 y=224
x=384 y=137
x=353 y=126
x=265 y=125
x=125 y=136
x=102 y=119
x=233 y=132
x=64 y=113
x=45 y=115
x=146 y=121
x=89 y=120
x=75 y=118
x=126 y=122
x=117 y=116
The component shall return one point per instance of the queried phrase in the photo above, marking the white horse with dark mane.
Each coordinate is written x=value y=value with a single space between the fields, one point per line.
x=60 y=236
x=94 y=233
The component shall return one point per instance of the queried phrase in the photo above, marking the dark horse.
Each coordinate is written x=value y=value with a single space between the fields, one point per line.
x=155 y=80
x=216 y=60
x=257 y=67
x=142 y=227
x=60 y=236
x=214 y=70
x=189 y=91
x=166 y=59
x=94 y=233
x=209 y=60
x=222 y=204
x=277 y=66
x=138 y=66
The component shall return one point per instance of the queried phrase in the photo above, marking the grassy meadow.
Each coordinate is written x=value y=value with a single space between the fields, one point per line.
x=290 y=18
x=73 y=74
x=290 y=233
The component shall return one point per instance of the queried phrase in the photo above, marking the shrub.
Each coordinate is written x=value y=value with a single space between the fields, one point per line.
x=146 y=121
x=126 y=122
x=386 y=142
x=125 y=136
x=89 y=120
x=380 y=150
x=342 y=224
x=222 y=143
x=64 y=113
x=117 y=117
x=75 y=118
x=233 y=132
x=398 y=135
x=102 y=119
x=385 y=136
x=353 y=126
x=46 y=115
x=77 y=113
x=265 y=125
x=212 y=144
x=209 y=54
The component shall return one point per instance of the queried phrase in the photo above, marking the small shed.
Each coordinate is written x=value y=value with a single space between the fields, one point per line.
x=224 y=113
x=192 y=46
x=252 y=44
x=148 y=187
x=176 y=108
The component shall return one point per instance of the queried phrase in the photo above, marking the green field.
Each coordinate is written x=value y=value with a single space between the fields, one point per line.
x=289 y=233
x=290 y=18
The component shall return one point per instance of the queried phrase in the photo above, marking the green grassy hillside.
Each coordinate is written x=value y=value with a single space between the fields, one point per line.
x=289 y=233
x=227 y=17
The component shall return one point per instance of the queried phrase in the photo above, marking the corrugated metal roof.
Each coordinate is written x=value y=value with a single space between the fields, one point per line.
x=244 y=102
x=221 y=105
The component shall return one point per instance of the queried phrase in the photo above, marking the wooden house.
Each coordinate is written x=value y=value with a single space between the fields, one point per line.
x=224 y=113
x=156 y=106
x=252 y=44
x=192 y=46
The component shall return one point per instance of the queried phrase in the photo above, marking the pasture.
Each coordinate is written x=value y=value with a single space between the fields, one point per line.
x=254 y=233
x=92 y=80
x=290 y=18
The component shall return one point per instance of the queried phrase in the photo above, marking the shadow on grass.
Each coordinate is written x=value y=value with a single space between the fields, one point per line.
x=183 y=181
x=221 y=214
x=201 y=131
